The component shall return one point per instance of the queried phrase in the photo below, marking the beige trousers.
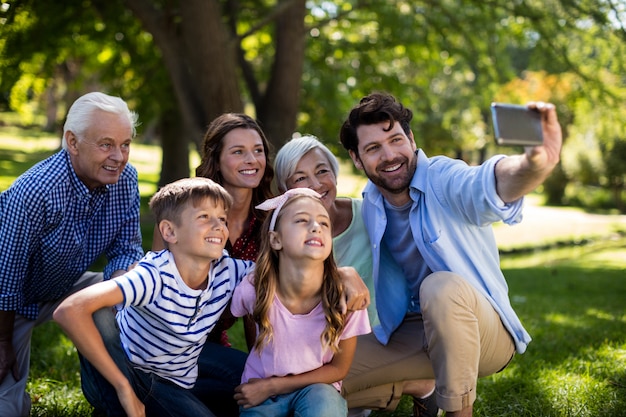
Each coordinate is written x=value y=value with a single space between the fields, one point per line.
x=458 y=338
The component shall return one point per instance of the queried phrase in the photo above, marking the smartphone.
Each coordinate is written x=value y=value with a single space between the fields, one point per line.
x=516 y=125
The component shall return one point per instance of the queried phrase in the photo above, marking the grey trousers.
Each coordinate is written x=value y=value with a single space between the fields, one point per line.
x=14 y=400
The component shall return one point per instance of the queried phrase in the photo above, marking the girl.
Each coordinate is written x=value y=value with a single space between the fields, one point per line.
x=307 y=162
x=305 y=344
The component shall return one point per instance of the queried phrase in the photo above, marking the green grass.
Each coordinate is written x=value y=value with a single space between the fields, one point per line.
x=571 y=300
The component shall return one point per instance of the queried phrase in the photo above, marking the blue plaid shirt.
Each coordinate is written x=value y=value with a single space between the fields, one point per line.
x=52 y=228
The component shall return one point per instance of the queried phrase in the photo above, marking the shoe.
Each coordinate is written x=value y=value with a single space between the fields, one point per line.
x=425 y=407
x=359 y=412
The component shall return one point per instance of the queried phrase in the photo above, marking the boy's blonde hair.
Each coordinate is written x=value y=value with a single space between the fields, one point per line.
x=169 y=202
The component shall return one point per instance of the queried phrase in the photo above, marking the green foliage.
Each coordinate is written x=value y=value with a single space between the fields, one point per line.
x=446 y=59
x=53 y=53
x=554 y=187
x=587 y=173
x=592 y=198
x=614 y=156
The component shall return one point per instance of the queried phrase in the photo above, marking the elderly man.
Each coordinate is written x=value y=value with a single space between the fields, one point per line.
x=56 y=219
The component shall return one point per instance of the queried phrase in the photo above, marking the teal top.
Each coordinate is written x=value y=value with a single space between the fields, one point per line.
x=352 y=248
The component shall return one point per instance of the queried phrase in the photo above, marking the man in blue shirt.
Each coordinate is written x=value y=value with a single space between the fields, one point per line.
x=441 y=297
x=56 y=219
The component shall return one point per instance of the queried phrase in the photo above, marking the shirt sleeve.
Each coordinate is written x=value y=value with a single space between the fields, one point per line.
x=357 y=323
x=139 y=286
x=244 y=297
x=470 y=191
x=239 y=269
x=22 y=217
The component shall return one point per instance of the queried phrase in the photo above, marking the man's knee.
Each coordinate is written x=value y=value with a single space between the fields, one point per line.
x=440 y=287
x=14 y=400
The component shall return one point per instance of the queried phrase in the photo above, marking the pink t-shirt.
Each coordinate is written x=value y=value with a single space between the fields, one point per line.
x=296 y=346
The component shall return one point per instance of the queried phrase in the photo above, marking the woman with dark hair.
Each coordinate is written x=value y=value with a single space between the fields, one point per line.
x=235 y=154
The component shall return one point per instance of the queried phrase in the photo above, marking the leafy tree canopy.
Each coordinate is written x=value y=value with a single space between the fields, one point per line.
x=299 y=66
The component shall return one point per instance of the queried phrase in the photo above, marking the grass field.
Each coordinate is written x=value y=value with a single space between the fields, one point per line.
x=571 y=300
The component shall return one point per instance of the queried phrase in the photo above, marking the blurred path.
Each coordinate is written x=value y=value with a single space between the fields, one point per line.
x=551 y=224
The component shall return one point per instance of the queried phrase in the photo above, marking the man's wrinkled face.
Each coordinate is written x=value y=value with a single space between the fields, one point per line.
x=100 y=156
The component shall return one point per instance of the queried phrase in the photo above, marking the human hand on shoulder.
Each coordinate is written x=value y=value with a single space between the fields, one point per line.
x=356 y=294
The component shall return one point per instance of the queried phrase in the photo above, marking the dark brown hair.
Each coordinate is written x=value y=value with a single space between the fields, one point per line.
x=373 y=109
x=213 y=144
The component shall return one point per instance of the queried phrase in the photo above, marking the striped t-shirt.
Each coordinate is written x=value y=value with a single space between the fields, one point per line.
x=164 y=323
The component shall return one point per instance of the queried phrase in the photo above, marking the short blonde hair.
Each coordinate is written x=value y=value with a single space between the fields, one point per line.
x=169 y=202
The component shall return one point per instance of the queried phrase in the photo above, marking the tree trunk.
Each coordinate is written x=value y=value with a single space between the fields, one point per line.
x=204 y=82
x=210 y=51
x=175 y=161
x=277 y=112
x=200 y=56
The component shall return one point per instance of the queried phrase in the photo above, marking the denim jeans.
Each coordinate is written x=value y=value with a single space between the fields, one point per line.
x=219 y=372
x=312 y=401
x=163 y=398
x=96 y=389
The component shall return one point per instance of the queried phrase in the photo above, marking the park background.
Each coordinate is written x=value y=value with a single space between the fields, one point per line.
x=298 y=67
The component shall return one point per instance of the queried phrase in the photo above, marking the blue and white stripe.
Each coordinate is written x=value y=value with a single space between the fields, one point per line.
x=163 y=322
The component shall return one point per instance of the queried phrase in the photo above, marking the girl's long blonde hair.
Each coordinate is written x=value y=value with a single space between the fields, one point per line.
x=266 y=281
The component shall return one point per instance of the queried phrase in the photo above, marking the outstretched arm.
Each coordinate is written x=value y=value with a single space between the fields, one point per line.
x=74 y=315
x=518 y=175
x=255 y=391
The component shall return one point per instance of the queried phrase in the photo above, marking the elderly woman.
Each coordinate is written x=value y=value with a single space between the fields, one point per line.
x=307 y=162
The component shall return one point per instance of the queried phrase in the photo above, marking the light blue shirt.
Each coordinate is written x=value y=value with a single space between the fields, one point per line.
x=453 y=208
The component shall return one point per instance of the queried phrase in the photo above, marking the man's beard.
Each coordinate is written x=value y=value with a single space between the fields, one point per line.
x=399 y=185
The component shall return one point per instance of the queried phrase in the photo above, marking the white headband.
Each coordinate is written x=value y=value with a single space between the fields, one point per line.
x=277 y=203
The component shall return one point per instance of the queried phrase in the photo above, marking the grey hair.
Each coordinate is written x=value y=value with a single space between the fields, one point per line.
x=290 y=154
x=80 y=113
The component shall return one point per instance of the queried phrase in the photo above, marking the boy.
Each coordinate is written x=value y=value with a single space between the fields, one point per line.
x=167 y=304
